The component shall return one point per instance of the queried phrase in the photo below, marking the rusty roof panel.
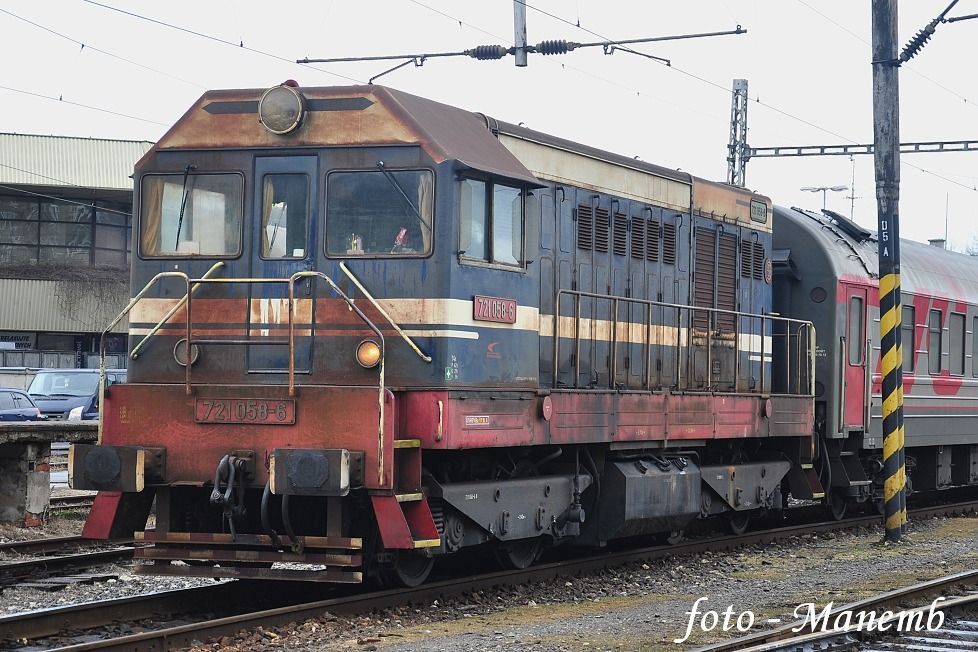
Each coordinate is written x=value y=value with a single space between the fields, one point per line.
x=382 y=116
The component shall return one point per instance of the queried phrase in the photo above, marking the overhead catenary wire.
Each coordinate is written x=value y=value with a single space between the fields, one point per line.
x=912 y=71
x=85 y=45
x=754 y=99
x=84 y=106
x=89 y=204
x=240 y=45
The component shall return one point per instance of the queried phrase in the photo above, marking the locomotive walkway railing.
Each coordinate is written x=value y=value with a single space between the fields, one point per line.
x=193 y=285
x=691 y=339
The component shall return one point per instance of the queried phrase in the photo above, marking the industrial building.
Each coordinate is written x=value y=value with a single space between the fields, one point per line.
x=65 y=243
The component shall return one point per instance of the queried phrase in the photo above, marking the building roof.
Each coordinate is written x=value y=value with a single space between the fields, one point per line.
x=64 y=161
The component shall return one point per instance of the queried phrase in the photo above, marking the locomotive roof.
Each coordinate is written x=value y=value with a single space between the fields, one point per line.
x=925 y=269
x=343 y=115
x=378 y=115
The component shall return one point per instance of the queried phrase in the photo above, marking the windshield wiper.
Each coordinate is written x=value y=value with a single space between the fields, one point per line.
x=39 y=396
x=404 y=197
x=183 y=203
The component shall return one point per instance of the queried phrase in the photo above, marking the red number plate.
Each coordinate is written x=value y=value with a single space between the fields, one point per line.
x=494 y=309
x=245 y=410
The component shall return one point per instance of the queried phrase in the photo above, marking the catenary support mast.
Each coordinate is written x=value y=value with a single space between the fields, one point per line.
x=886 y=150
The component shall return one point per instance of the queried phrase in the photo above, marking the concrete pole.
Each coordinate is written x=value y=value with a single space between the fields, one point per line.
x=519 y=27
x=886 y=151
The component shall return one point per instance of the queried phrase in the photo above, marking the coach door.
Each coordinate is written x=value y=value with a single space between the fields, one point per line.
x=283 y=243
x=854 y=354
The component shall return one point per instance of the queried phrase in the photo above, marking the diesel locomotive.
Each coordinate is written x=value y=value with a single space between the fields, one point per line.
x=368 y=329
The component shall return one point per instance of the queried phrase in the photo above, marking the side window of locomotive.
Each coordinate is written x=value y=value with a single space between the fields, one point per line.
x=855 y=333
x=472 y=213
x=191 y=215
x=285 y=215
x=908 y=342
x=956 y=343
x=934 y=320
x=491 y=223
x=379 y=213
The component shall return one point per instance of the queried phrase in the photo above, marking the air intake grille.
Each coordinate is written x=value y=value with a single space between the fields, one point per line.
x=601 y=228
x=638 y=238
x=620 y=235
x=585 y=227
x=669 y=244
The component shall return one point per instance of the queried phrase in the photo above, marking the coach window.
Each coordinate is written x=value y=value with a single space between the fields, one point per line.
x=956 y=341
x=285 y=215
x=491 y=223
x=379 y=213
x=934 y=321
x=855 y=331
x=907 y=339
x=974 y=347
x=191 y=215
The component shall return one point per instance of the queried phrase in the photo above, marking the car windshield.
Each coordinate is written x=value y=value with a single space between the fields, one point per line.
x=63 y=384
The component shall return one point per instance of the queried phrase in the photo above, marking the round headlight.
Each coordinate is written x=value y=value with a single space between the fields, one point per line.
x=368 y=354
x=281 y=109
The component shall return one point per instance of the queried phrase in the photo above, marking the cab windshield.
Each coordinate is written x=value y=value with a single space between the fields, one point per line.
x=191 y=215
x=379 y=213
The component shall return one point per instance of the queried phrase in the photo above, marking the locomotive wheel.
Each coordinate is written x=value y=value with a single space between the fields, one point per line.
x=838 y=505
x=737 y=522
x=407 y=568
x=517 y=555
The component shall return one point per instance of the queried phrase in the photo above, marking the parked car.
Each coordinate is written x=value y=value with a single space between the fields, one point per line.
x=70 y=393
x=16 y=405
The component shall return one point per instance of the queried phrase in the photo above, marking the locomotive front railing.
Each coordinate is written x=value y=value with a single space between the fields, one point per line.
x=193 y=285
x=290 y=282
x=684 y=330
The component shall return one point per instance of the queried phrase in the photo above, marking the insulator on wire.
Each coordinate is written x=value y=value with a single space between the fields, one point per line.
x=917 y=42
x=554 y=47
x=487 y=52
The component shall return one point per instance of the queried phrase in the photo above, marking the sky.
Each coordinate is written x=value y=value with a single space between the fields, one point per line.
x=87 y=68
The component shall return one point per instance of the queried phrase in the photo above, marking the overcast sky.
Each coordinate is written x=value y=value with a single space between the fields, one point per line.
x=807 y=63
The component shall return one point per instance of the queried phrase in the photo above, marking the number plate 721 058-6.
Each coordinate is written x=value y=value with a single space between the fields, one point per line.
x=245 y=410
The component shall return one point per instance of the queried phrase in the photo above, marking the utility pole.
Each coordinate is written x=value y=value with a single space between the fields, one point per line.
x=886 y=152
x=519 y=30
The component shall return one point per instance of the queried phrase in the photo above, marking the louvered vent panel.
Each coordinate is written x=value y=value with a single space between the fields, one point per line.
x=620 y=235
x=652 y=240
x=638 y=238
x=758 y=261
x=726 y=280
x=669 y=244
x=585 y=227
x=704 y=275
x=746 y=258
x=601 y=227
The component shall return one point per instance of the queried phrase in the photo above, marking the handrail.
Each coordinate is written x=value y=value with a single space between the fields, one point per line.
x=370 y=324
x=683 y=344
x=291 y=309
x=102 y=340
x=135 y=350
x=404 y=336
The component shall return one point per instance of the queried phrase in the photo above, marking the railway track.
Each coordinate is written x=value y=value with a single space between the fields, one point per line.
x=854 y=633
x=67 y=503
x=46 y=557
x=101 y=620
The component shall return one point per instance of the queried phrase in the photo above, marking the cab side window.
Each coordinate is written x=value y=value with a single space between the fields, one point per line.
x=491 y=223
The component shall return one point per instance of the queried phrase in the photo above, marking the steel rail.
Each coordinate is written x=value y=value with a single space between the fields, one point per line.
x=786 y=638
x=21 y=626
x=35 y=546
x=25 y=570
